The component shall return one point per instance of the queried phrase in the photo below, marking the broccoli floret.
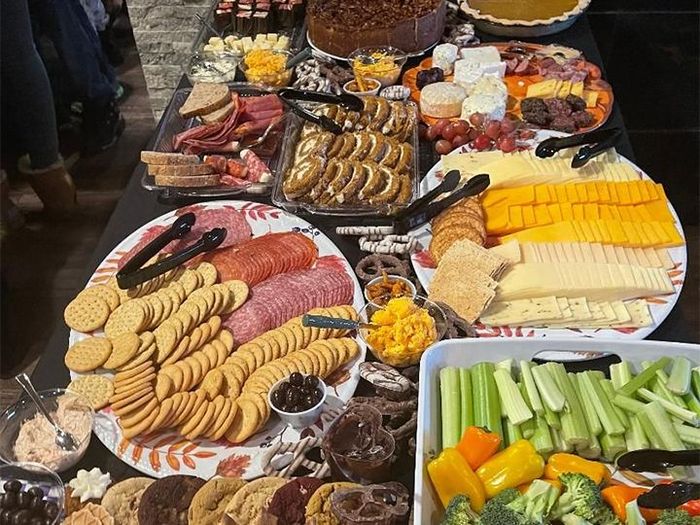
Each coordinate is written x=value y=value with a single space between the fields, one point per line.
x=497 y=513
x=634 y=515
x=676 y=517
x=605 y=516
x=581 y=497
x=459 y=512
x=573 y=519
x=512 y=508
x=506 y=496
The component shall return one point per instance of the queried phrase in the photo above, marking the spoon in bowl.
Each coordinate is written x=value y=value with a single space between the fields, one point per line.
x=64 y=440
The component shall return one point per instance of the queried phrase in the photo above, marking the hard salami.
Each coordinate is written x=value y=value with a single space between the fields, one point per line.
x=262 y=257
x=278 y=299
x=237 y=227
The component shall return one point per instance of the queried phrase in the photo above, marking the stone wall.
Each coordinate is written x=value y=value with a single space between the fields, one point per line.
x=164 y=31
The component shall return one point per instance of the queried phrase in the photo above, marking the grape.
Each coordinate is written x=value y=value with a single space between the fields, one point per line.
x=508 y=125
x=526 y=134
x=459 y=140
x=493 y=129
x=443 y=147
x=449 y=132
x=476 y=119
x=473 y=133
x=431 y=134
x=440 y=125
x=482 y=142
x=461 y=127
x=506 y=143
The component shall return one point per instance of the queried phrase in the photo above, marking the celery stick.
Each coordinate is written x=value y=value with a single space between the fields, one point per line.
x=542 y=438
x=597 y=374
x=608 y=418
x=695 y=380
x=532 y=393
x=692 y=402
x=609 y=391
x=660 y=389
x=688 y=435
x=592 y=420
x=627 y=403
x=679 y=380
x=635 y=437
x=650 y=430
x=487 y=408
x=644 y=377
x=573 y=422
x=552 y=417
x=620 y=373
x=450 y=401
x=466 y=404
x=528 y=427
x=667 y=432
x=593 y=451
x=511 y=398
x=559 y=444
x=633 y=514
x=686 y=415
x=612 y=446
x=511 y=432
x=506 y=364
x=551 y=395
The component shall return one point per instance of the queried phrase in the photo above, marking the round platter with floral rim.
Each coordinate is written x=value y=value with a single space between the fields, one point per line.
x=659 y=306
x=165 y=453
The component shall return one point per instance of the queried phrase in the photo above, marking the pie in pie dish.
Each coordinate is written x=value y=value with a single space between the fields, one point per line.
x=523 y=17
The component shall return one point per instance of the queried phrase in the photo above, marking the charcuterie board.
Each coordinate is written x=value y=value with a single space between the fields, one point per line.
x=162 y=453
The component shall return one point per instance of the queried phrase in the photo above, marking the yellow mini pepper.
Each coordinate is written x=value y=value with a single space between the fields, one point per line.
x=559 y=463
x=519 y=463
x=452 y=475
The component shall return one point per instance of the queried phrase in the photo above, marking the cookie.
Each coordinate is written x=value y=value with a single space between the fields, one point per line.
x=88 y=354
x=90 y=514
x=122 y=500
x=318 y=509
x=86 y=313
x=248 y=503
x=96 y=389
x=167 y=500
x=124 y=347
x=104 y=292
x=210 y=502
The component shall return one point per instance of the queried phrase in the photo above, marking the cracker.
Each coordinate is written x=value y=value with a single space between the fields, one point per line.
x=104 y=292
x=240 y=292
x=124 y=348
x=208 y=272
x=128 y=317
x=96 y=389
x=86 y=313
x=88 y=354
x=213 y=383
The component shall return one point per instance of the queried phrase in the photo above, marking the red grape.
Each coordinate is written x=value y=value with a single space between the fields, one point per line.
x=526 y=134
x=459 y=140
x=449 y=132
x=493 y=129
x=443 y=147
x=476 y=119
x=440 y=125
x=508 y=125
x=482 y=142
x=461 y=127
x=431 y=134
x=473 y=133
x=507 y=144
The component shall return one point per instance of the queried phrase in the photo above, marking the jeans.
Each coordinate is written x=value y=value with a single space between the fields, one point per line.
x=66 y=24
x=26 y=93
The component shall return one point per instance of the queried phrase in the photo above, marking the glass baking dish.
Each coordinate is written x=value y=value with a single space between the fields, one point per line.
x=173 y=123
x=285 y=160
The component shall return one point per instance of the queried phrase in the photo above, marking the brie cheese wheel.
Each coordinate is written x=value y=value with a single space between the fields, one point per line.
x=444 y=57
x=490 y=105
x=442 y=99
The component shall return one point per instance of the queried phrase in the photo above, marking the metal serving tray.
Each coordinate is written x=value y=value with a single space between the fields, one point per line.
x=467 y=352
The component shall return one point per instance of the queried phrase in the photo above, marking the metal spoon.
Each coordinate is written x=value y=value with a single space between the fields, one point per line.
x=322 y=321
x=63 y=439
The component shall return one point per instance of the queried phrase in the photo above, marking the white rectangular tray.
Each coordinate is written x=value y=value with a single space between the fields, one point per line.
x=467 y=352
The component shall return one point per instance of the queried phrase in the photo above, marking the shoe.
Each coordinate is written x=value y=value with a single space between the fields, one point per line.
x=53 y=185
x=11 y=217
x=102 y=126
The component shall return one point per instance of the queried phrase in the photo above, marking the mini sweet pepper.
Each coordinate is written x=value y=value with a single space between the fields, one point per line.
x=477 y=445
x=618 y=496
x=519 y=463
x=559 y=463
x=452 y=475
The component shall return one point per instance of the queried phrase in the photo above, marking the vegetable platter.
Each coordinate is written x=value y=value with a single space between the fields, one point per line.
x=676 y=359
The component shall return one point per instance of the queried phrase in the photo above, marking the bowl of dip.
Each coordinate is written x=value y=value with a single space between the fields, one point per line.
x=26 y=436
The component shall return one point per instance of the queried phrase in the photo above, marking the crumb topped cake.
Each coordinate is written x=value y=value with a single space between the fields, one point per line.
x=339 y=27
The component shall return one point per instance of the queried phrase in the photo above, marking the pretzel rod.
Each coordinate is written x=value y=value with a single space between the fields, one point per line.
x=364 y=230
x=382 y=247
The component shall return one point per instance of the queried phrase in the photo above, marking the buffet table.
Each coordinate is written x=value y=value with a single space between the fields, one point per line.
x=138 y=206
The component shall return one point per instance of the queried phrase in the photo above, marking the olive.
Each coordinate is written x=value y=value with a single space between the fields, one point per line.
x=277 y=398
x=310 y=401
x=318 y=395
x=36 y=505
x=6 y=517
x=49 y=521
x=21 y=517
x=23 y=500
x=12 y=486
x=296 y=379
x=292 y=397
x=10 y=500
x=36 y=492
x=51 y=510
x=311 y=381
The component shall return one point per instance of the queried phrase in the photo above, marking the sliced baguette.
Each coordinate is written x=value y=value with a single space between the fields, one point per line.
x=219 y=115
x=205 y=98
x=158 y=157
x=195 y=181
x=180 y=171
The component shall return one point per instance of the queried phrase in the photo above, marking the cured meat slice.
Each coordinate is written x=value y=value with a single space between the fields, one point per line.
x=150 y=234
x=237 y=228
x=278 y=299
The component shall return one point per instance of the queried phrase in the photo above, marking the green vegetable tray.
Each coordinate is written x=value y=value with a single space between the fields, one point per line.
x=468 y=352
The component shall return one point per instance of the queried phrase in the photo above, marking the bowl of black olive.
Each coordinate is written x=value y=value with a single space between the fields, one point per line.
x=298 y=399
x=30 y=494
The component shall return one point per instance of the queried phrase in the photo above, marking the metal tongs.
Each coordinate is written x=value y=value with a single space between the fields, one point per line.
x=132 y=274
x=346 y=100
x=601 y=140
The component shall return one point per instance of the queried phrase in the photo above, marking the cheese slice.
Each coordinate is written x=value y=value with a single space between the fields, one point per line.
x=521 y=312
x=510 y=251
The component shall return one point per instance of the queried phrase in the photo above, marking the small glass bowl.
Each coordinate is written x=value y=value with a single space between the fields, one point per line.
x=386 y=75
x=36 y=475
x=408 y=359
x=277 y=79
x=213 y=66
x=302 y=419
x=411 y=287
x=352 y=88
x=12 y=419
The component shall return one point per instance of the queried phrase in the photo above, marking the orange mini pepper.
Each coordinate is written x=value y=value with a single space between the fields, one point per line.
x=452 y=475
x=517 y=464
x=617 y=496
x=477 y=445
x=559 y=463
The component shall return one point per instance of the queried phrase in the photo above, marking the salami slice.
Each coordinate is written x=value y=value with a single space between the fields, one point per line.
x=279 y=298
x=237 y=228
x=257 y=169
x=146 y=238
x=262 y=257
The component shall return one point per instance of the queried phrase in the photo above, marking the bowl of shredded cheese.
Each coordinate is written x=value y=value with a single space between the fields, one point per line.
x=382 y=63
x=267 y=67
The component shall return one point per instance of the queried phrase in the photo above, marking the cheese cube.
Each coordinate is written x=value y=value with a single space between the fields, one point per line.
x=577 y=89
x=544 y=89
x=564 y=89
x=591 y=98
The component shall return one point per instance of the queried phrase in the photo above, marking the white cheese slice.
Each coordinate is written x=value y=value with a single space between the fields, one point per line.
x=510 y=250
x=521 y=312
x=481 y=55
x=492 y=106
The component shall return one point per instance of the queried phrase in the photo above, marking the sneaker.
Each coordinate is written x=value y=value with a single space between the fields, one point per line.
x=102 y=126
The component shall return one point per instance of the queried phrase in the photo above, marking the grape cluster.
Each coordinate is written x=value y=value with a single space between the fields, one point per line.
x=25 y=507
x=297 y=394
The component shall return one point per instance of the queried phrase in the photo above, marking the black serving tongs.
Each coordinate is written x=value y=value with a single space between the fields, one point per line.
x=600 y=140
x=425 y=208
x=346 y=100
x=131 y=274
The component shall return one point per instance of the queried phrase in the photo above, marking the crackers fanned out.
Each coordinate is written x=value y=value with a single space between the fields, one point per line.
x=463 y=220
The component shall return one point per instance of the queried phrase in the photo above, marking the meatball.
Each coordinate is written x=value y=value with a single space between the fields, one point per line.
x=558 y=107
x=582 y=119
x=533 y=104
x=540 y=118
x=576 y=102
x=563 y=123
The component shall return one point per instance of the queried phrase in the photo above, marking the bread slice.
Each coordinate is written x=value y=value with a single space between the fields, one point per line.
x=219 y=115
x=195 y=181
x=205 y=98
x=180 y=171
x=158 y=157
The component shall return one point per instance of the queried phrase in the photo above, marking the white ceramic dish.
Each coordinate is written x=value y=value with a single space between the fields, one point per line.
x=376 y=280
x=302 y=419
x=467 y=352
